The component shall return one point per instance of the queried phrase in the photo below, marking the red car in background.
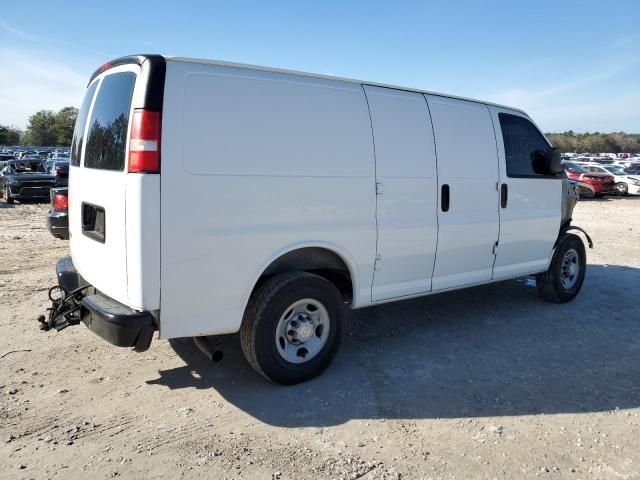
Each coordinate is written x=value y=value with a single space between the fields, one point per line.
x=602 y=183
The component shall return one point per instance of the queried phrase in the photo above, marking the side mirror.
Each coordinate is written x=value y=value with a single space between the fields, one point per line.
x=546 y=162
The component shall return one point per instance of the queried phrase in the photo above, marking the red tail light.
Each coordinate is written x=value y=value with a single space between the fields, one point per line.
x=144 y=145
x=60 y=202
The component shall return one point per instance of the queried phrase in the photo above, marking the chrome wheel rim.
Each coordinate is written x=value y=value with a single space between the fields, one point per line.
x=302 y=331
x=570 y=269
x=621 y=187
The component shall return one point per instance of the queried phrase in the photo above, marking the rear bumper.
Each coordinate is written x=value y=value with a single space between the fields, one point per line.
x=114 y=322
x=604 y=189
x=58 y=224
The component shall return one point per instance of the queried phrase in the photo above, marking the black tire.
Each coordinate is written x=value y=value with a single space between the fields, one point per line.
x=267 y=305
x=622 y=188
x=550 y=284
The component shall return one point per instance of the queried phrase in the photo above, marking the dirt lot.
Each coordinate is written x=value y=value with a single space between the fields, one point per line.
x=489 y=382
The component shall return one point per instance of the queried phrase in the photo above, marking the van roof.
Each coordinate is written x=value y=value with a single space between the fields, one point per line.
x=328 y=77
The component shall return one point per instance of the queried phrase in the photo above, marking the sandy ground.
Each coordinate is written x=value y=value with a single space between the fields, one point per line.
x=489 y=382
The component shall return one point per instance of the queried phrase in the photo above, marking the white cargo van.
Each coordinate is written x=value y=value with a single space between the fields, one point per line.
x=207 y=198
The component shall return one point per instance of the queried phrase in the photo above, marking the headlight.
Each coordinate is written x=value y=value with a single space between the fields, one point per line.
x=634 y=181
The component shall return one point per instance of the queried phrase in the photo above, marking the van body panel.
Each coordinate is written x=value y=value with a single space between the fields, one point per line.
x=143 y=241
x=530 y=223
x=257 y=161
x=467 y=163
x=407 y=192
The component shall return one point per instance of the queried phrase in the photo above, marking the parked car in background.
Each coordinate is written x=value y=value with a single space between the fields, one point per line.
x=60 y=170
x=602 y=160
x=57 y=217
x=625 y=184
x=602 y=183
x=584 y=190
x=633 y=169
x=4 y=158
x=25 y=180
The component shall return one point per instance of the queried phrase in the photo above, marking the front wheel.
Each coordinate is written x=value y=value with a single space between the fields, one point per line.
x=563 y=280
x=292 y=327
x=622 y=188
x=7 y=196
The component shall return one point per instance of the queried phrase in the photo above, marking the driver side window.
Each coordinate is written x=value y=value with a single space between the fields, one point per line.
x=521 y=138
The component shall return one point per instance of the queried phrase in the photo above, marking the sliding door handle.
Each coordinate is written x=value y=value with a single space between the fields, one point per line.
x=444 y=198
x=504 y=195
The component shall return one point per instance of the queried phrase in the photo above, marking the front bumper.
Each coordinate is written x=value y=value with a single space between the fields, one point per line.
x=114 y=322
x=20 y=192
x=633 y=189
x=58 y=224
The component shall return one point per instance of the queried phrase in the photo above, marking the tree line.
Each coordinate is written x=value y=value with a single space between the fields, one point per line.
x=616 y=142
x=45 y=128
x=48 y=128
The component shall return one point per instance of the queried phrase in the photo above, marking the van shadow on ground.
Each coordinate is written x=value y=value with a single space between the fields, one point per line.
x=487 y=351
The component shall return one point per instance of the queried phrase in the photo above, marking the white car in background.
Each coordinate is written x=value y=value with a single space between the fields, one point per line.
x=625 y=184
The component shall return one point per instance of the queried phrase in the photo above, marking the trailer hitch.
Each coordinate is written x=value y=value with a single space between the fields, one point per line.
x=64 y=310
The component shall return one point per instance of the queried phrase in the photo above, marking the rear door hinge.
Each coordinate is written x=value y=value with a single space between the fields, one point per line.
x=379 y=188
x=495 y=248
x=377 y=264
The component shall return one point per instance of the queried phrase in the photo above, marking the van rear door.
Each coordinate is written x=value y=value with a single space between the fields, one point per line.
x=114 y=182
x=97 y=183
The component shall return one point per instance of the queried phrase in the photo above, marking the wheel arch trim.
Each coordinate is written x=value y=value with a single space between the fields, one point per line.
x=341 y=253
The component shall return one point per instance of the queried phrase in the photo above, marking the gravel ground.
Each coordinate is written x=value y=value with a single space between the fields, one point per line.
x=488 y=382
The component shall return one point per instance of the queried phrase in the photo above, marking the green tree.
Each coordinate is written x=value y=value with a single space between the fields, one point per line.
x=9 y=135
x=41 y=129
x=65 y=123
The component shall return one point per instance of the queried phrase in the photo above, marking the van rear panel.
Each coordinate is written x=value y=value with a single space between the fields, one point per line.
x=114 y=215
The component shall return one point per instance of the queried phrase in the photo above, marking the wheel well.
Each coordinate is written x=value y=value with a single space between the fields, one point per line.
x=320 y=261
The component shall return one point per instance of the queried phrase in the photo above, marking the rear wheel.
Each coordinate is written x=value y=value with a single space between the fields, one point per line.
x=622 y=188
x=563 y=280
x=292 y=327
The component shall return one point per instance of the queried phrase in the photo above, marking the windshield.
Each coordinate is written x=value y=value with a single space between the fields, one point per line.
x=574 y=167
x=616 y=170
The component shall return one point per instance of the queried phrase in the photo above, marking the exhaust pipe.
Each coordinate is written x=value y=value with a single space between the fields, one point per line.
x=205 y=346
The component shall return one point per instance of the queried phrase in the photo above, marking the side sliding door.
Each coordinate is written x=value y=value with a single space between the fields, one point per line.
x=467 y=192
x=406 y=192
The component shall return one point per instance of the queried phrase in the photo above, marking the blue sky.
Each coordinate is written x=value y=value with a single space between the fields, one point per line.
x=569 y=64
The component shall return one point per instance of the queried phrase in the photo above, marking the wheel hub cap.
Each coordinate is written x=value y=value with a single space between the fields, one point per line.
x=302 y=331
x=299 y=328
x=570 y=269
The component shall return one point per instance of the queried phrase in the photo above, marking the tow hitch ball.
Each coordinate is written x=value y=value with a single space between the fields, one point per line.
x=64 y=310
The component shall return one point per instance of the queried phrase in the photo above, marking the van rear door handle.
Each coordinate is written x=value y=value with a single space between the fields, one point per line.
x=444 y=198
x=504 y=195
